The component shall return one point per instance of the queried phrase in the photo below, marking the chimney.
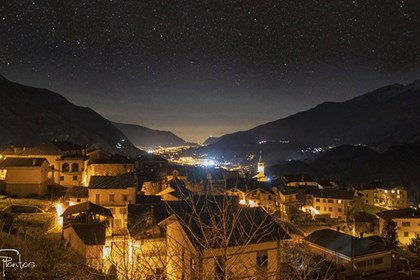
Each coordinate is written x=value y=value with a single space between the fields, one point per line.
x=33 y=162
x=361 y=235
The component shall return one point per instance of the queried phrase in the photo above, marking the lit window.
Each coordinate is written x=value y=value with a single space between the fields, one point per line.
x=340 y=201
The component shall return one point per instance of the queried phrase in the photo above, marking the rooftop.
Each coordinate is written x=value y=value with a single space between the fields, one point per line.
x=22 y=162
x=399 y=213
x=113 y=182
x=345 y=244
x=87 y=207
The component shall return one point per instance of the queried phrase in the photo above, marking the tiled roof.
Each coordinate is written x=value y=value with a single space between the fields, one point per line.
x=399 y=213
x=113 y=182
x=78 y=192
x=22 y=162
x=112 y=161
x=345 y=244
x=328 y=193
x=87 y=207
x=297 y=178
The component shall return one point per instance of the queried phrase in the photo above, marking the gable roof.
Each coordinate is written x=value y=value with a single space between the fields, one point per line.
x=297 y=178
x=78 y=192
x=330 y=193
x=203 y=222
x=122 y=181
x=345 y=244
x=90 y=234
x=22 y=162
x=399 y=213
x=87 y=207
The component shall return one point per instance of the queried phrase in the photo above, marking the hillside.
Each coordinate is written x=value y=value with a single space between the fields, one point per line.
x=381 y=118
x=145 y=137
x=30 y=116
x=354 y=165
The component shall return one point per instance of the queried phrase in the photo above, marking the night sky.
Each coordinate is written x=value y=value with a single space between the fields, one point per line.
x=201 y=68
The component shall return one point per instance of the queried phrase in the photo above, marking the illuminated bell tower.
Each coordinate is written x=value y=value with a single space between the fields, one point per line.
x=260 y=168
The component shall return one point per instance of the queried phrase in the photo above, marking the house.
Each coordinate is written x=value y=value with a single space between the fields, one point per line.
x=295 y=180
x=378 y=194
x=113 y=166
x=114 y=193
x=175 y=190
x=368 y=254
x=202 y=244
x=148 y=237
x=77 y=194
x=25 y=176
x=407 y=221
x=152 y=165
x=365 y=224
x=262 y=197
x=337 y=204
x=86 y=229
x=67 y=160
x=288 y=203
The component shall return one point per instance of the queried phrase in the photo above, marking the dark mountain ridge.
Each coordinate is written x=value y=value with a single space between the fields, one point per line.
x=355 y=165
x=31 y=116
x=145 y=137
x=381 y=118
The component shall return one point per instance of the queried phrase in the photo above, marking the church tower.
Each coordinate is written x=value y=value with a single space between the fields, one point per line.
x=260 y=168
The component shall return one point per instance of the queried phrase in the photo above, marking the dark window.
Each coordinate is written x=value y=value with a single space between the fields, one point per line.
x=74 y=167
x=262 y=258
x=406 y=224
x=317 y=200
x=111 y=197
x=78 y=200
x=124 y=197
x=75 y=178
x=61 y=178
x=65 y=167
x=220 y=268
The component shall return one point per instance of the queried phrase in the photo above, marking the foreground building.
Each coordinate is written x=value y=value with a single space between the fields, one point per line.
x=368 y=254
x=247 y=247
